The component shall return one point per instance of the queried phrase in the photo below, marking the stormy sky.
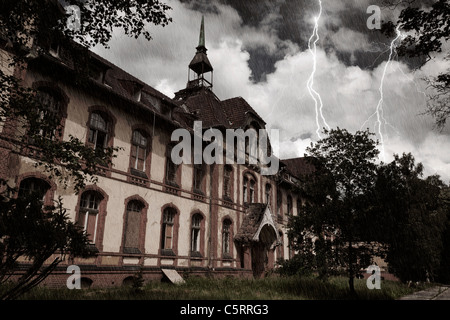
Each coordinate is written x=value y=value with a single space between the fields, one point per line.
x=259 y=51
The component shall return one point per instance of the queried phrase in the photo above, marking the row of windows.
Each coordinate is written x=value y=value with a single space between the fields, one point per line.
x=100 y=131
x=92 y=207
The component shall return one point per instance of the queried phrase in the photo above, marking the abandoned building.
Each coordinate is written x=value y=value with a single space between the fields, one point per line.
x=145 y=212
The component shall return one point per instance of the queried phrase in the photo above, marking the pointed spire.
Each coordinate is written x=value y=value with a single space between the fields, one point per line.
x=201 y=41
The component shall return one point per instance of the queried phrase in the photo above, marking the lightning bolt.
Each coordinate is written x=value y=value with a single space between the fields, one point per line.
x=312 y=46
x=379 y=113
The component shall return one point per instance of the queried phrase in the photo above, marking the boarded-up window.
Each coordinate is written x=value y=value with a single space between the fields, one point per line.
x=133 y=227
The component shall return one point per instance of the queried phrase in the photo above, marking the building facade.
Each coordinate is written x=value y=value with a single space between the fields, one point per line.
x=145 y=212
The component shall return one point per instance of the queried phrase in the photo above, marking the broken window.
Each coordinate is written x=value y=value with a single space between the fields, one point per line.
x=195 y=233
x=88 y=213
x=98 y=130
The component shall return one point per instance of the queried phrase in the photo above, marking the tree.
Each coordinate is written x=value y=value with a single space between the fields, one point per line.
x=427 y=29
x=337 y=222
x=35 y=232
x=28 y=29
x=413 y=219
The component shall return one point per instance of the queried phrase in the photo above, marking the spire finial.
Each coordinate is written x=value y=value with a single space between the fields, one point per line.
x=201 y=41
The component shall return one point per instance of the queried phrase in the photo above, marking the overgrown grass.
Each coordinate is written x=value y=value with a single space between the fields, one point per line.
x=273 y=288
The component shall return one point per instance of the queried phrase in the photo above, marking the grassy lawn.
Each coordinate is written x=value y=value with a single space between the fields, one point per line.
x=273 y=288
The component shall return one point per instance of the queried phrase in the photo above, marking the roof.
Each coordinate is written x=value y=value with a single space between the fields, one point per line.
x=300 y=167
x=232 y=113
x=117 y=82
x=236 y=109
x=256 y=217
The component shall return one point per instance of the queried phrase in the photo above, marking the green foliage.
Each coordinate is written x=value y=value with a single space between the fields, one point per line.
x=332 y=223
x=299 y=265
x=413 y=219
x=195 y=288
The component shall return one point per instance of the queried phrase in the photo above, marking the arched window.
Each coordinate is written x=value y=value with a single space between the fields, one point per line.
x=167 y=234
x=139 y=151
x=226 y=238
x=196 y=234
x=133 y=227
x=89 y=212
x=249 y=189
x=52 y=105
x=34 y=187
x=227 y=173
x=268 y=192
x=98 y=130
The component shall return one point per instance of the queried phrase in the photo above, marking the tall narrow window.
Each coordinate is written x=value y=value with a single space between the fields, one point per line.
x=195 y=233
x=252 y=191
x=132 y=227
x=245 y=192
x=171 y=168
x=98 y=130
x=289 y=205
x=268 y=192
x=226 y=235
x=198 y=177
x=168 y=229
x=139 y=151
x=88 y=214
x=227 y=170
x=279 y=203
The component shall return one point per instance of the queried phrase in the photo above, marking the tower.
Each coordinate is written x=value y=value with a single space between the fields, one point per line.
x=200 y=64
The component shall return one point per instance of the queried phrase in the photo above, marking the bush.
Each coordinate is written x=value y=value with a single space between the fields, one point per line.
x=297 y=266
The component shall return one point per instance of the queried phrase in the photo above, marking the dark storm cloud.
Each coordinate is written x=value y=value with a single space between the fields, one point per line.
x=290 y=21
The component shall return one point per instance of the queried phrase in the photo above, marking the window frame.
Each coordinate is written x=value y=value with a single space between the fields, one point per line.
x=174 y=226
x=227 y=233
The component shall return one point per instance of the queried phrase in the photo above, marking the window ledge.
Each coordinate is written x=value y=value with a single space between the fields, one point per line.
x=168 y=252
